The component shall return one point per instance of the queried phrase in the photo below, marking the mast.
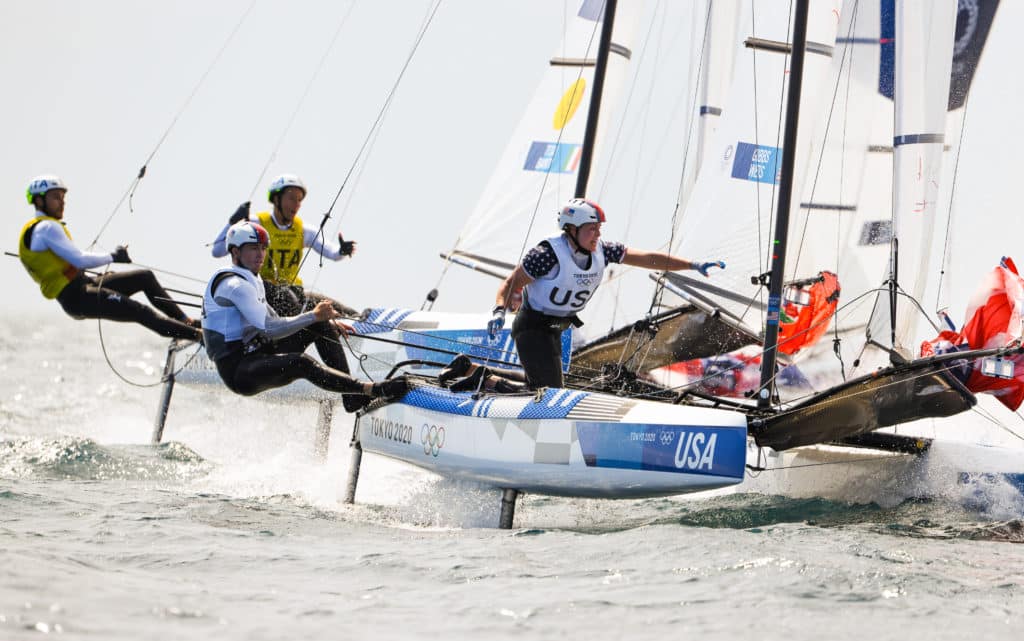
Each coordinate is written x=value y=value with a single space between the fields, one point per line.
x=595 y=98
x=778 y=247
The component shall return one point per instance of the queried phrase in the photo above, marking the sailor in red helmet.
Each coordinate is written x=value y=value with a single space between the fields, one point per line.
x=52 y=260
x=246 y=338
x=558 y=277
x=289 y=238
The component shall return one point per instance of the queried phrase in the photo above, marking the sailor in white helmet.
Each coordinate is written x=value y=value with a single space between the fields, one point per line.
x=557 y=278
x=280 y=272
x=243 y=334
x=52 y=260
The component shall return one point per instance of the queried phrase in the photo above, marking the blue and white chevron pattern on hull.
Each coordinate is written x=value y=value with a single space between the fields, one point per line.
x=381 y=319
x=555 y=404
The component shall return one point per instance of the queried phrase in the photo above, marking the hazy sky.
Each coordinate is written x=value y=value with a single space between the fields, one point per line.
x=90 y=88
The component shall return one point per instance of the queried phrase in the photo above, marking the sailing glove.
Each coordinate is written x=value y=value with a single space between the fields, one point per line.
x=348 y=247
x=704 y=267
x=242 y=213
x=120 y=254
x=496 y=323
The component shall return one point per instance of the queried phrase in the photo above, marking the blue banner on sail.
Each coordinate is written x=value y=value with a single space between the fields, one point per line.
x=553 y=157
x=759 y=163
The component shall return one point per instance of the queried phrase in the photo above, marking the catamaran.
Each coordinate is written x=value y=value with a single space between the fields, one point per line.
x=849 y=439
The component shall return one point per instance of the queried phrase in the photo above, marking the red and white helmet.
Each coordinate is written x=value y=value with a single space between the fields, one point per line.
x=245 y=233
x=580 y=211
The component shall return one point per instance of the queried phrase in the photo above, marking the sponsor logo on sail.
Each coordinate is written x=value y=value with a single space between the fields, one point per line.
x=759 y=163
x=553 y=157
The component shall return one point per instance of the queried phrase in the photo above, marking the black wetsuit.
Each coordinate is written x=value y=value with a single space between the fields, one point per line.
x=235 y=306
x=292 y=300
x=108 y=297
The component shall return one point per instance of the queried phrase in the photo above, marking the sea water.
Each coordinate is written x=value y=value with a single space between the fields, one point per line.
x=234 y=529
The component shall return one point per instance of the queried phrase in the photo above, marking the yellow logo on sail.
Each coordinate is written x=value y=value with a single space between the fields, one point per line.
x=569 y=103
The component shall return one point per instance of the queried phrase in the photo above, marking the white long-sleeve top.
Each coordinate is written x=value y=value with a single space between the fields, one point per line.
x=310 y=238
x=48 y=234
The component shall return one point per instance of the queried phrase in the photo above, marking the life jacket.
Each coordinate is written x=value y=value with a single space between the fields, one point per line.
x=566 y=289
x=285 y=253
x=52 y=272
x=224 y=327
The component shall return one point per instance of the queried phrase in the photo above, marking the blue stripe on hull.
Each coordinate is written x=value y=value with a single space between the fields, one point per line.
x=686 y=449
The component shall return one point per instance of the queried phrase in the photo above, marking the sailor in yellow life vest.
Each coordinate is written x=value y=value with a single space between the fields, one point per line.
x=53 y=261
x=280 y=272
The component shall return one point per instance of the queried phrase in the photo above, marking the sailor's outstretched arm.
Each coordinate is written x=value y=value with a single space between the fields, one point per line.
x=220 y=248
x=327 y=248
x=49 y=235
x=511 y=286
x=235 y=291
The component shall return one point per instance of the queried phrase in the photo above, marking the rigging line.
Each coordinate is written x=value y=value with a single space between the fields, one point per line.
x=836 y=399
x=772 y=212
x=558 y=140
x=991 y=418
x=175 y=274
x=821 y=154
x=757 y=141
x=106 y=356
x=659 y=290
x=952 y=194
x=842 y=175
x=302 y=99
x=375 y=133
x=612 y=155
x=370 y=134
x=142 y=171
x=643 y=136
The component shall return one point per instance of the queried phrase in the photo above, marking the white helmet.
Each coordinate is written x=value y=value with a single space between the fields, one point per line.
x=282 y=182
x=245 y=232
x=580 y=211
x=42 y=184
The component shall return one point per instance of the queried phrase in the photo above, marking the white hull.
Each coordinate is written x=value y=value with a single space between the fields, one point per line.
x=570 y=443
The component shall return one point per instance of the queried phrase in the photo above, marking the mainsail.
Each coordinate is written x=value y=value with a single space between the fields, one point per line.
x=537 y=171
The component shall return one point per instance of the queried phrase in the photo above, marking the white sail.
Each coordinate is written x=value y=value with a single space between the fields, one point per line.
x=924 y=54
x=716 y=56
x=730 y=214
x=538 y=168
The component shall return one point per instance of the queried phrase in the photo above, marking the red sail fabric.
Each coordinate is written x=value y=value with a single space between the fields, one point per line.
x=808 y=309
x=994 y=316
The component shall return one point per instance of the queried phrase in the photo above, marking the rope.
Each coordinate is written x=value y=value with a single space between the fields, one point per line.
x=302 y=100
x=106 y=356
x=369 y=136
x=129 y=193
x=657 y=299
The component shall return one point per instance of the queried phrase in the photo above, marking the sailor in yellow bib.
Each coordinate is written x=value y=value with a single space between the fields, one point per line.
x=52 y=260
x=288 y=240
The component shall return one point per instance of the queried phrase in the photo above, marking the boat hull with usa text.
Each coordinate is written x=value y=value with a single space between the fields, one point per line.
x=561 y=442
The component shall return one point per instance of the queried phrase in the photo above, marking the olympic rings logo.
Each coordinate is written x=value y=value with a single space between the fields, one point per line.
x=432 y=437
x=667 y=437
